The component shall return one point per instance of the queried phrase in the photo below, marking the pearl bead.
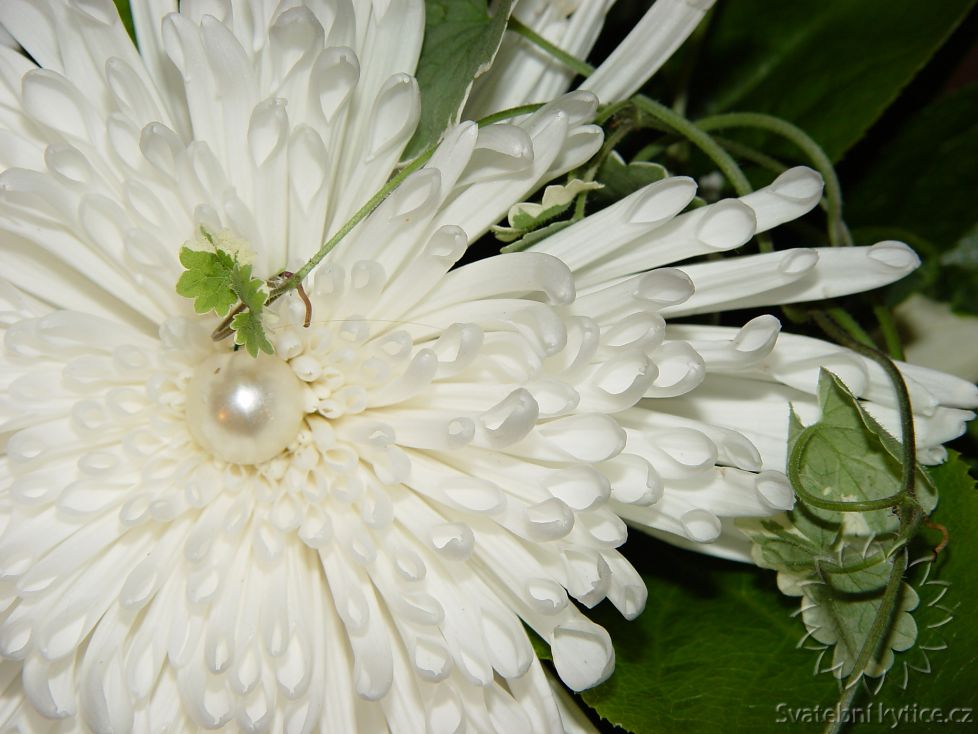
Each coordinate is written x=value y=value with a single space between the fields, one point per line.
x=244 y=410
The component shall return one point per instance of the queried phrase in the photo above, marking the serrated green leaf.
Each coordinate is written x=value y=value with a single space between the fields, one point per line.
x=849 y=456
x=250 y=334
x=460 y=41
x=839 y=562
x=839 y=611
x=795 y=60
x=207 y=279
x=247 y=326
x=250 y=291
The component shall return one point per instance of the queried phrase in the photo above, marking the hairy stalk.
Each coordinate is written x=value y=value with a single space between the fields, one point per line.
x=361 y=214
x=889 y=330
x=853 y=330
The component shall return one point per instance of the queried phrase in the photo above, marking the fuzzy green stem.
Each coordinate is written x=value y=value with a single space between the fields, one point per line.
x=891 y=338
x=852 y=328
x=794 y=475
x=376 y=201
x=361 y=214
x=836 y=569
x=752 y=155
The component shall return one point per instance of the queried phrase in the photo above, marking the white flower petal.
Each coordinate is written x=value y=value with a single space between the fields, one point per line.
x=650 y=43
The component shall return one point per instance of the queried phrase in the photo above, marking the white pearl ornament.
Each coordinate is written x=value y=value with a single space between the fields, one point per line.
x=244 y=410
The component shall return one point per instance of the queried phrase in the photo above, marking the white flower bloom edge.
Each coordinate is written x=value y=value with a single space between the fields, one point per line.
x=473 y=437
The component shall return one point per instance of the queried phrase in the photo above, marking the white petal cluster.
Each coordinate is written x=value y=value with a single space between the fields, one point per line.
x=474 y=436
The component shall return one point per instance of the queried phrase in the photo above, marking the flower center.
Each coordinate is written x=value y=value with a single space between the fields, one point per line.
x=244 y=410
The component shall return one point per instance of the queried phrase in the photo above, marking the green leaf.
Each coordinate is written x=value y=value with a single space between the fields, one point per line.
x=208 y=280
x=839 y=610
x=125 y=12
x=460 y=41
x=924 y=179
x=216 y=281
x=250 y=334
x=715 y=651
x=830 y=66
x=621 y=179
x=247 y=325
x=848 y=456
x=920 y=184
x=250 y=291
x=839 y=563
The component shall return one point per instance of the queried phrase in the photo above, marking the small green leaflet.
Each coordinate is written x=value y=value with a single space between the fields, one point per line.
x=247 y=325
x=217 y=281
x=249 y=333
x=207 y=279
x=839 y=562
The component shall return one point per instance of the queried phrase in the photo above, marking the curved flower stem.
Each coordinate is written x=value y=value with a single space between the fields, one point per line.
x=573 y=63
x=888 y=327
x=360 y=215
x=794 y=475
x=713 y=150
x=376 y=200
x=852 y=328
x=658 y=112
x=839 y=570
x=838 y=232
x=753 y=155
x=877 y=633
x=698 y=137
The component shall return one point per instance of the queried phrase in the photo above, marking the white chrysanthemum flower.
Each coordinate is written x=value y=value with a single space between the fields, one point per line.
x=524 y=73
x=347 y=536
